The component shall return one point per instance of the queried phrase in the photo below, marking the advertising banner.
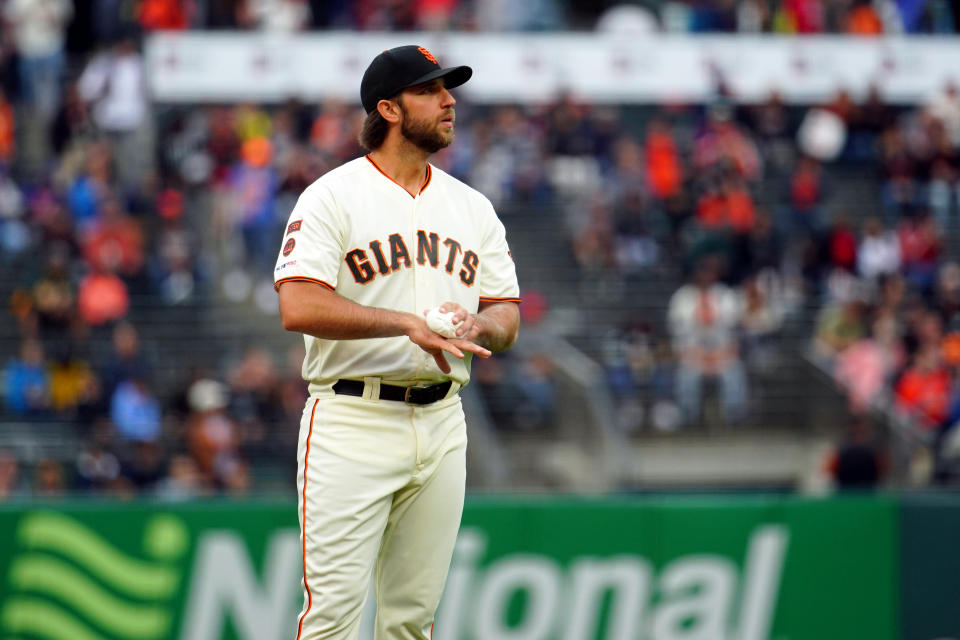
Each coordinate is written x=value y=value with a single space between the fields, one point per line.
x=540 y=67
x=930 y=567
x=524 y=569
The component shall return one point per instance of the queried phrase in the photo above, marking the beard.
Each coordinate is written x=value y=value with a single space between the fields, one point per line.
x=425 y=135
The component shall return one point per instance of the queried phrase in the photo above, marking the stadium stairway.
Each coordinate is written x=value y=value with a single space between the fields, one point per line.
x=794 y=409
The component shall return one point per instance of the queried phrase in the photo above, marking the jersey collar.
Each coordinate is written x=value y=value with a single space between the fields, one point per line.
x=426 y=179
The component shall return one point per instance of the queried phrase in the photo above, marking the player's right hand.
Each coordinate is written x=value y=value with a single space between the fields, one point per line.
x=435 y=344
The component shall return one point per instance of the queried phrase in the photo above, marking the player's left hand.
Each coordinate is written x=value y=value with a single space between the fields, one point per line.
x=470 y=329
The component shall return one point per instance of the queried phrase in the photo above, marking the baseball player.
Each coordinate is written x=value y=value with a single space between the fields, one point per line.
x=369 y=247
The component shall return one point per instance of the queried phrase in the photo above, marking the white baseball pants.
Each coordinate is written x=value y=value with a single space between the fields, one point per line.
x=381 y=486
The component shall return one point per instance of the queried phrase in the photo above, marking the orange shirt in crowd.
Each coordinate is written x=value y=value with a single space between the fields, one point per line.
x=864 y=21
x=664 y=171
x=740 y=210
x=102 y=298
x=7 y=131
x=115 y=246
x=926 y=393
x=162 y=15
x=734 y=210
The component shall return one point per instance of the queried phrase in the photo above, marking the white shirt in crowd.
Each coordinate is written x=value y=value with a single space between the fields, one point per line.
x=705 y=319
x=878 y=254
x=39 y=26
x=117 y=87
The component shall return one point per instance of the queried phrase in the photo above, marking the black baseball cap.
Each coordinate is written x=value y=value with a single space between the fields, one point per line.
x=396 y=69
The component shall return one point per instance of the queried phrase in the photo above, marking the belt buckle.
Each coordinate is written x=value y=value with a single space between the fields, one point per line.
x=414 y=387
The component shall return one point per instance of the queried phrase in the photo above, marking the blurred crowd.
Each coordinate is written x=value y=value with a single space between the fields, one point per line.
x=103 y=20
x=112 y=207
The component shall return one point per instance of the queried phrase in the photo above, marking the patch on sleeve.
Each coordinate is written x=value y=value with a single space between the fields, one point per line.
x=294 y=226
x=288 y=247
x=285 y=265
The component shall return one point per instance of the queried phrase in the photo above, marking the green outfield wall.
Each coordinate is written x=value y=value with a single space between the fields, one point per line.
x=711 y=568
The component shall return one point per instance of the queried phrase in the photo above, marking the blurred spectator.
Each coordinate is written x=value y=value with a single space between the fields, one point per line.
x=71 y=128
x=772 y=125
x=14 y=233
x=48 y=478
x=26 y=381
x=252 y=187
x=714 y=16
x=97 y=468
x=822 y=134
x=842 y=245
x=175 y=273
x=728 y=207
x=943 y=191
x=874 y=116
x=89 y=188
x=594 y=243
x=863 y=19
x=858 y=462
x=144 y=465
x=115 y=86
x=763 y=316
x=280 y=16
x=839 y=325
x=759 y=251
x=945 y=107
x=946 y=295
x=920 y=248
x=537 y=370
x=878 y=252
x=900 y=191
x=291 y=391
x=723 y=146
x=704 y=316
x=54 y=297
x=72 y=383
x=163 y=15
x=135 y=410
x=251 y=122
x=125 y=360
x=628 y=358
x=183 y=480
x=866 y=367
x=102 y=298
x=664 y=169
x=253 y=396
x=8 y=138
x=802 y=16
x=924 y=388
x=806 y=196
x=212 y=436
x=9 y=475
x=114 y=242
x=39 y=31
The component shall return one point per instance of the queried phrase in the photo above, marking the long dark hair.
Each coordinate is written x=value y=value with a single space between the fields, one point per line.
x=373 y=132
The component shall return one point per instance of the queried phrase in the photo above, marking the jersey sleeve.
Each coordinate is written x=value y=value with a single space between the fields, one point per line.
x=312 y=245
x=498 y=274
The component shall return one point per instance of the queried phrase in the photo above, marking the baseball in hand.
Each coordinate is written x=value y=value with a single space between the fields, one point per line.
x=442 y=322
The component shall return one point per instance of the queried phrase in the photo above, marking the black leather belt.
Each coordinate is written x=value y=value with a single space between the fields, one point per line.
x=417 y=394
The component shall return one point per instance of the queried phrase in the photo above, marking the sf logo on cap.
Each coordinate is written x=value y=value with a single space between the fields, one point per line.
x=427 y=55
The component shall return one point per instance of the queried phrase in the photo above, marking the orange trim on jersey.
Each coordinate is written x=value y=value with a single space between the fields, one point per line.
x=426 y=179
x=276 y=285
x=492 y=299
x=303 y=528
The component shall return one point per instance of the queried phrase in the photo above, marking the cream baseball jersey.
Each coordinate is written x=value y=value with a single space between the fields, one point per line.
x=357 y=232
